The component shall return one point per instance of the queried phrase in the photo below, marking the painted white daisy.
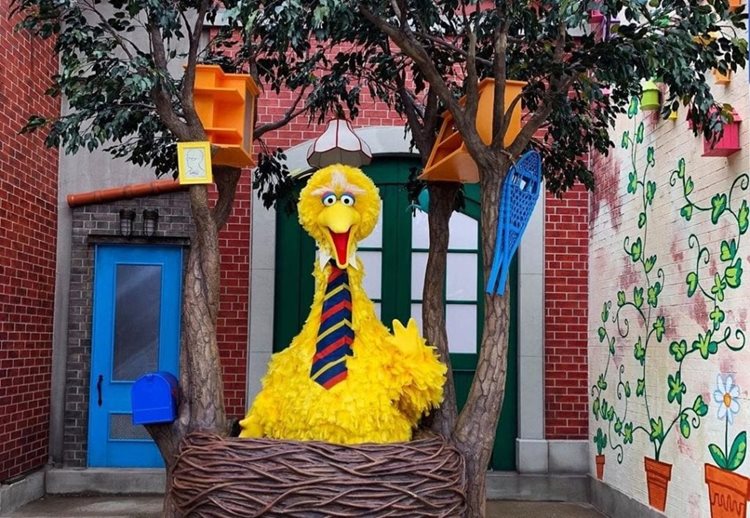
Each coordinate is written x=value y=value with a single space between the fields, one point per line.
x=726 y=395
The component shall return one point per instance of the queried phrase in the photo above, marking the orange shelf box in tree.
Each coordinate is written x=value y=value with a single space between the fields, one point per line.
x=226 y=107
x=450 y=160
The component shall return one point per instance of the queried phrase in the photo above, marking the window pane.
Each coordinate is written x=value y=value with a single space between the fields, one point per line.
x=418 y=267
x=461 y=320
x=416 y=314
x=377 y=308
x=463 y=232
x=373 y=266
x=121 y=427
x=461 y=281
x=137 y=310
x=420 y=234
x=375 y=239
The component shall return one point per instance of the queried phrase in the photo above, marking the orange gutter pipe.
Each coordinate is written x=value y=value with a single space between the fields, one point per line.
x=123 y=193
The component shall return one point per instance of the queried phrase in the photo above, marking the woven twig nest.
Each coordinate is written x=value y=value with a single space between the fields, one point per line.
x=225 y=477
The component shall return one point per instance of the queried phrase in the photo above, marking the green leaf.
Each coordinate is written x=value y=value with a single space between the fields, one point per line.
x=602 y=334
x=717 y=317
x=639 y=351
x=633 y=108
x=676 y=388
x=681 y=168
x=602 y=384
x=718 y=288
x=733 y=274
x=689 y=186
x=684 y=426
x=728 y=250
x=650 y=156
x=636 y=249
x=742 y=217
x=718 y=456
x=700 y=407
x=640 y=388
x=657 y=430
x=618 y=426
x=718 y=206
x=737 y=452
x=640 y=133
x=641 y=220
x=638 y=297
x=692 y=282
x=653 y=294
x=595 y=408
x=605 y=312
x=612 y=346
x=627 y=433
x=649 y=263
x=705 y=345
x=659 y=328
x=627 y=389
x=678 y=350
x=687 y=212
x=650 y=192
x=632 y=182
x=620 y=298
x=625 y=142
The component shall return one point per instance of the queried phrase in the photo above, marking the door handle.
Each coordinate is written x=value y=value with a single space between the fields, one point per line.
x=99 y=388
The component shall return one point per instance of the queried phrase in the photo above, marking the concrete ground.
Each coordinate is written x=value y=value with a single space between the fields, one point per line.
x=150 y=507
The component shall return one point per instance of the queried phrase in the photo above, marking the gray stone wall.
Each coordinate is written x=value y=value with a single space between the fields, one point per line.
x=92 y=224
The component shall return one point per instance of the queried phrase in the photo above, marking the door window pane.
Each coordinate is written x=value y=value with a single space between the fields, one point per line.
x=121 y=427
x=420 y=232
x=137 y=310
x=463 y=232
x=461 y=278
x=416 y=314
x=461 y=321
x=373 y=264
x=375 y=239
x=418 y=267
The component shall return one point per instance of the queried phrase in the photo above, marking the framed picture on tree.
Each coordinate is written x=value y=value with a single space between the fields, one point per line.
x=194 y=162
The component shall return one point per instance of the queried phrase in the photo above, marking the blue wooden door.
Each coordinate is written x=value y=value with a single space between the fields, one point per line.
x=136 y=329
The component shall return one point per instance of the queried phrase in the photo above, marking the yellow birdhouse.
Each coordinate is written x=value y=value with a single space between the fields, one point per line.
x=722 y=79
x=449 y=160
x=226 y=107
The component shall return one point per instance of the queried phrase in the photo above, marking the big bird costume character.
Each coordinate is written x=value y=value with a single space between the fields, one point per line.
x=345 y=378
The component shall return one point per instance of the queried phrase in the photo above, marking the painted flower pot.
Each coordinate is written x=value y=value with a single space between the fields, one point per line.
x=728 y=492
x=729 y=143
x=658 y=475
x=600 y=467
x=651 y=96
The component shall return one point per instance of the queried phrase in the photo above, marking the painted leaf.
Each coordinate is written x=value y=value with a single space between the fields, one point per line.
x=602 y=384
x=728 y=250
x=718 y=288
x=627 y=389
x=618 y=426
x=650 y=192
x=676 y=388
x=718 y=456
x=717 y=317
x=632 y=182
x=657 y=430
x=653 y=294
x=641 y=219
x=636 y=249
x=627 y=433
x=625 y=142
x=620 y=298
x=602 y=334
x=638 y=297
x=689 y=186
x=633 y=108
x=611 y=413
x=684 y=426
x=595 y=408
x=718 y=206
x=737 y=452
x=681 y=168
x=742 y=216
x=605 y=312
x=639 y=351
x=649 y=263
x=705 y=345
x=692 y=282
x=700 y=407
x=678 y=350
x=659 y=328
x=733 y=274
x=687 y=212
x=640 y=388
x=650 y=156
x=612 y=346
x=640 y=133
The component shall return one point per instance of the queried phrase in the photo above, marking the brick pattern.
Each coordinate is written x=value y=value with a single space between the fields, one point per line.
x=566 y=315
x=28 y=232
x=101 y=219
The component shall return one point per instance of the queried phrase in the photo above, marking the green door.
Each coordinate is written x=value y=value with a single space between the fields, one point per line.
x=394 y=257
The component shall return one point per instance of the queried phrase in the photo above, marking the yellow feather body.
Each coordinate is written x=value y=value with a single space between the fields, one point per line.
x=392 y=380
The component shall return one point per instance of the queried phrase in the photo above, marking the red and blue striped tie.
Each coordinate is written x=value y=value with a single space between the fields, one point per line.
x=335 y=334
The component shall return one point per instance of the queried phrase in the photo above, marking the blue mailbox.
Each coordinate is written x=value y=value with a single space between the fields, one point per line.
x=154 y=396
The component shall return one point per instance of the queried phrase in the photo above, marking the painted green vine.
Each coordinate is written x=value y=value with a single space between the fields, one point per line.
x=616 y=429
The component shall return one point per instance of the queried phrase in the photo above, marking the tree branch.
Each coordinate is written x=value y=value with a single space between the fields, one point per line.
x=188 y=81
x=291 y=113
x=499 y=72
x=121 y=40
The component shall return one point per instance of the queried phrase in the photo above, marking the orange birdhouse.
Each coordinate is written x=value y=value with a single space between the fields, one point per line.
x=226 y=107
x=450 y=161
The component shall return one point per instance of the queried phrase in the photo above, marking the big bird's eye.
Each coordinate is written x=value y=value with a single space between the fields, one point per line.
x=329 y=199
x=347 y=199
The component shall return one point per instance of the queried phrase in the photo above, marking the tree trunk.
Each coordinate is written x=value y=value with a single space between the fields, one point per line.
x=442 y=203
x=477 y=424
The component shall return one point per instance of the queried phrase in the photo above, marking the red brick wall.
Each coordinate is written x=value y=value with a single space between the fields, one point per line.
x=566 y=310
x=234 y=241
x=28 y=232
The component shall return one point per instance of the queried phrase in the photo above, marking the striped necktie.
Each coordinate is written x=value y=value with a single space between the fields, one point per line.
x=335 y=334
